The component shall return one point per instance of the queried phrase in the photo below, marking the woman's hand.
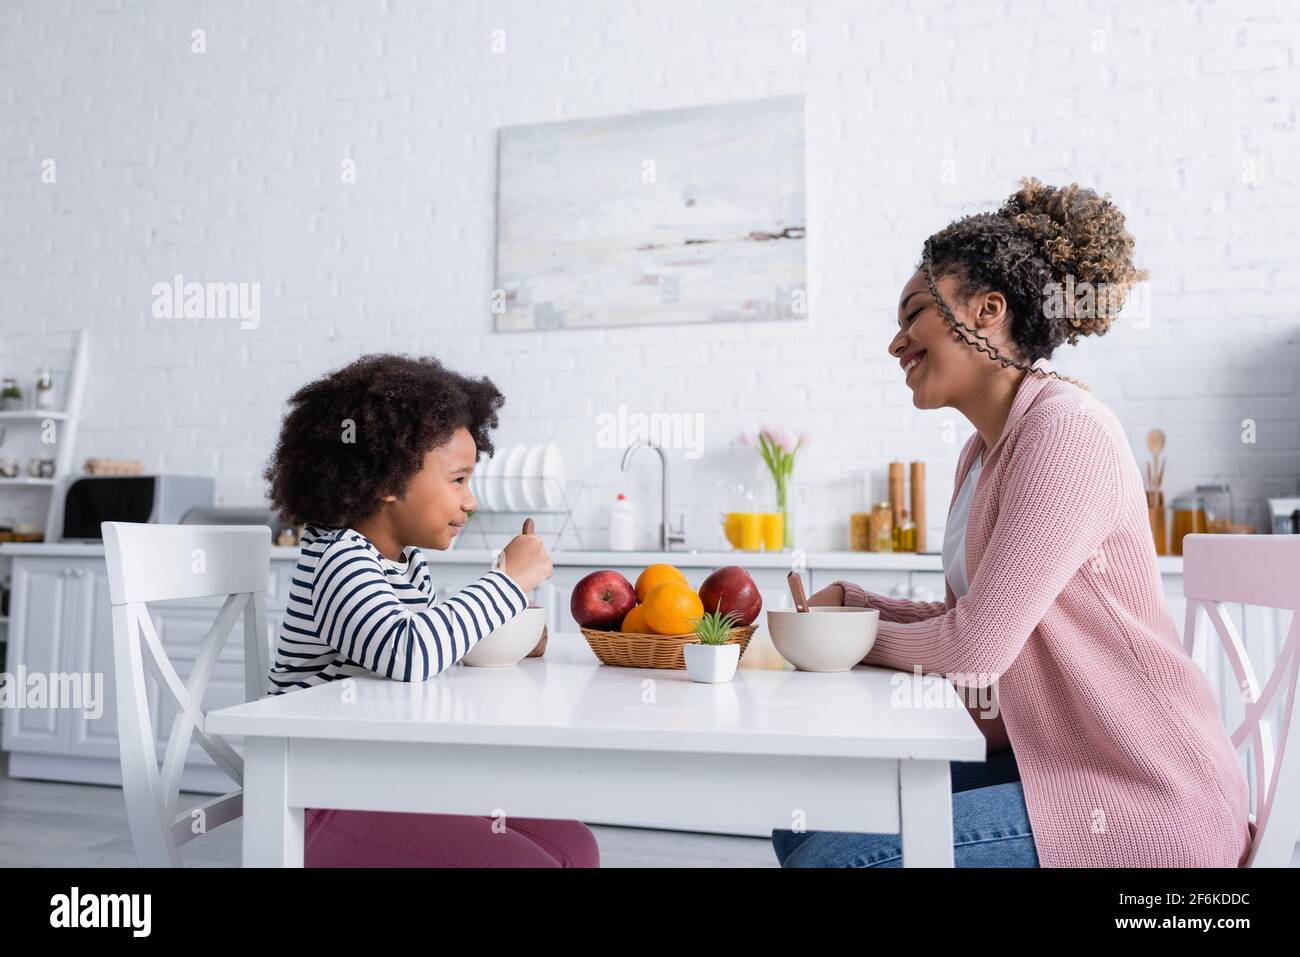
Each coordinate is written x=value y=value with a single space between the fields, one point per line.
x=830 y=595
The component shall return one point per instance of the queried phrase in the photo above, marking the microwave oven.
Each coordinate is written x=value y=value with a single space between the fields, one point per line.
x=164 y=499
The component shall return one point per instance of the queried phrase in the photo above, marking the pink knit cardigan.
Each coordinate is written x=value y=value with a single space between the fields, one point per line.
x=1123 y=757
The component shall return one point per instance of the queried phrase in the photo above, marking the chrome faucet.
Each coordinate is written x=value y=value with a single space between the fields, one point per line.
x=667 y=536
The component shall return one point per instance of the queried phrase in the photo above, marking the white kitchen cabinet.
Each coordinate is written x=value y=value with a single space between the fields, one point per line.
x=87 y=736
x=43 y=624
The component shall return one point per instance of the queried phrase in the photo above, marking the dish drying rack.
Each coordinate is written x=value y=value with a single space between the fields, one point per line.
x=550 y=520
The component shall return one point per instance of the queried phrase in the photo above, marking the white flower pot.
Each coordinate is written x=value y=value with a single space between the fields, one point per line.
x=711 y=663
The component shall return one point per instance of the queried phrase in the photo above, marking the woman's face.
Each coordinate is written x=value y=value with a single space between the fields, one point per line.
x=937 y=366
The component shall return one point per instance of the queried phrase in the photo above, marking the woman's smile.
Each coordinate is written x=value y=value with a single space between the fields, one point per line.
x=909 y=363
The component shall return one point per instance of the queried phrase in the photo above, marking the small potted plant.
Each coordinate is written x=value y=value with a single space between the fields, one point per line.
x=711 y=659
x=11 y=397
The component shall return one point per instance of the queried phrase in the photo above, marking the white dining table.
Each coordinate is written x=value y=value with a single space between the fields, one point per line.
x=563 y=736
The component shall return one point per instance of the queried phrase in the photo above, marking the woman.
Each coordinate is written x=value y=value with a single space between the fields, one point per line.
x=1105 y=745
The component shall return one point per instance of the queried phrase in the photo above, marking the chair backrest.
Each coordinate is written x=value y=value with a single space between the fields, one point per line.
x=1262 y=570
x=159 y=563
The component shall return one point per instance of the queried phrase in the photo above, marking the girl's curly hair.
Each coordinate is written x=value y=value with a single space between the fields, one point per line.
x=1027 y=249
x=362 y=432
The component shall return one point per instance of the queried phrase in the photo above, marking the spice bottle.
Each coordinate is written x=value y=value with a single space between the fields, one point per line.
x=905 y=534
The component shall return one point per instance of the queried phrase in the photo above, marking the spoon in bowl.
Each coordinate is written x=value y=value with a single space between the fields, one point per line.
x=797 y=591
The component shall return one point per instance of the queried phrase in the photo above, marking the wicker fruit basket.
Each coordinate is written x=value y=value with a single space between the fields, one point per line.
x=625 y=649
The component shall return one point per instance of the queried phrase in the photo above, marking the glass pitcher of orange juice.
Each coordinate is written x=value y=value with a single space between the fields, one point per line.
x=735 y=501
x=744 y=526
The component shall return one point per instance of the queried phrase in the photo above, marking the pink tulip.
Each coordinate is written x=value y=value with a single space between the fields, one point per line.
x=747 y=439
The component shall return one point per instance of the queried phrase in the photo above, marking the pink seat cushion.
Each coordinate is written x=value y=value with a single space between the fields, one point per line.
x=336 y=838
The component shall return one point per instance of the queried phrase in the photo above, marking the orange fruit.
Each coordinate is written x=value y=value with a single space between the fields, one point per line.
x=672 y=608
x=634 y=621
x=656 y=575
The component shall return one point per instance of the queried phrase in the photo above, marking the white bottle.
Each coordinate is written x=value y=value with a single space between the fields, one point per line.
x=622 y=525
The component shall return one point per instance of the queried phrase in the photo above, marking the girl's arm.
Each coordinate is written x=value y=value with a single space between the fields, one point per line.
x=360 y=615
x=1060 y=502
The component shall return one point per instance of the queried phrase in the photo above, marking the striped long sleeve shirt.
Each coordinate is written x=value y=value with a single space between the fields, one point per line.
x=351 y=611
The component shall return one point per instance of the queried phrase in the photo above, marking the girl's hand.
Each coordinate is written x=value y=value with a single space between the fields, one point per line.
x=540 y=649
x=830 y=595
x=526 y=561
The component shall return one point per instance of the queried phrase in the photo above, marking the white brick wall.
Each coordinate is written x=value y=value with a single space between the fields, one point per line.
x=226 y=166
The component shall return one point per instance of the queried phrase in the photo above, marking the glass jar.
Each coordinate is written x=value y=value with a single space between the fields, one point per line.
x=1189 y=519
x=860 y=522
x=860 y=531
x=1218 y=506
x=882 y=527
x=1156 y=515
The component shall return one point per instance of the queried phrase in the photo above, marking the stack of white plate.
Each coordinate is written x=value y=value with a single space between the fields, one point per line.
x=520 y=478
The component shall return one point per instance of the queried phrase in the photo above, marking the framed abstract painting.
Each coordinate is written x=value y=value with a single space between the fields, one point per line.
x=676 y=216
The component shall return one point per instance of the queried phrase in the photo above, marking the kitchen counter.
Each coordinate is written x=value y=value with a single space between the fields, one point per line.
x=598 y=558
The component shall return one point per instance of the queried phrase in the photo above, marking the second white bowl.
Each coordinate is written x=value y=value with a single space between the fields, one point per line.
x=825 y=638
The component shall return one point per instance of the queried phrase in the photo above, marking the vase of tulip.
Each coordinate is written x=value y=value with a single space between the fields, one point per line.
x=778 y=448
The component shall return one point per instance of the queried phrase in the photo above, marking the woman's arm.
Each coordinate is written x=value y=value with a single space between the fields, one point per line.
x=891 y=609
x=845 y=593
x=1059 y=503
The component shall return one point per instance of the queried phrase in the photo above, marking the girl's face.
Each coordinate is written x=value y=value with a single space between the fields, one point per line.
x=936 y=365
x=436 y=504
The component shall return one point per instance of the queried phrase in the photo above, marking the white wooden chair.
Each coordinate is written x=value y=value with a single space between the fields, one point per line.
x=149 y=563
x=1260 y=570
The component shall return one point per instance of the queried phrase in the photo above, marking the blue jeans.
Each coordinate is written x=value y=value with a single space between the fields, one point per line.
x=990 y=826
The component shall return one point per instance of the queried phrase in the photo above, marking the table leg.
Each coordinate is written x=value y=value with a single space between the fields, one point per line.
x=273 y=831
x=925 y=807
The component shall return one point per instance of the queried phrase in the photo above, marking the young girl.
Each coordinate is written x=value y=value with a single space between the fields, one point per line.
x=1106 y=748
x=374 y=459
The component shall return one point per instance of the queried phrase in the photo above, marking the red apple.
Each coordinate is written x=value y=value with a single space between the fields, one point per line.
x=601 y=599
x=731 y=589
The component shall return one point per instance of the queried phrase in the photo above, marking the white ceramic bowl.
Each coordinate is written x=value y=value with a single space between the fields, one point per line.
x=510 y=643
x=825 y=638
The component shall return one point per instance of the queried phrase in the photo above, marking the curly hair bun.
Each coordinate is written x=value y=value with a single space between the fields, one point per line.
x=1082 y=237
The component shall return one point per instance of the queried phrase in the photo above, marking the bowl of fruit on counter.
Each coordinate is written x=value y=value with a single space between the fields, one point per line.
x=650 y=623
